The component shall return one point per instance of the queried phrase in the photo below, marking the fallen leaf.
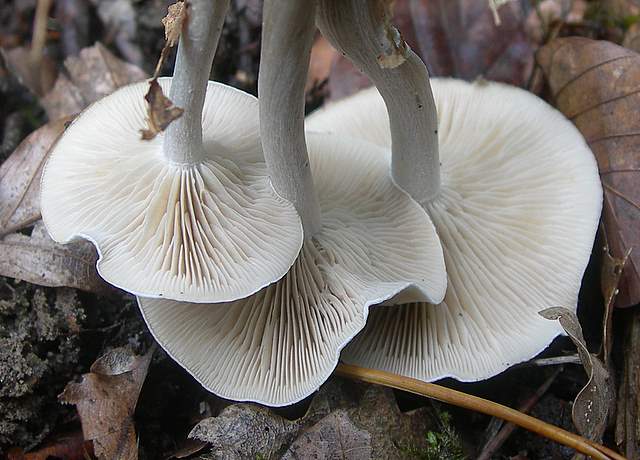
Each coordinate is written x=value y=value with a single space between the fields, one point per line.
x=245 y=431
x=596 y=84
x=39 y=260
x=174 y=21
x=20 y=178
x=550 y=13
x=460 y=38
x=345 y=420
x=37 y=78
x=632 y=38
x=106 y=399
x=93 y=74
x=593 y=404
x=335 y=436
x=161 y=111
x=68 y=447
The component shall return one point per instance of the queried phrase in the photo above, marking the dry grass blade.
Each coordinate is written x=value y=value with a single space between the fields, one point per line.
x=460 y=399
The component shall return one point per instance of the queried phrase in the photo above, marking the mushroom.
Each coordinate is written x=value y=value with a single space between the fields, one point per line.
x=516 y=213
x=365 y=242
x=189 y=215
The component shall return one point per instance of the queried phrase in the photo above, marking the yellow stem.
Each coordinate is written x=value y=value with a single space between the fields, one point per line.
x=460 y=399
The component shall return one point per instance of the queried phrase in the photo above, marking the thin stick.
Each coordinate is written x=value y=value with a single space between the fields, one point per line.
x=287 y=35
x=362 y=30
x=460 y=399
x=499 y=439
x=197 y=46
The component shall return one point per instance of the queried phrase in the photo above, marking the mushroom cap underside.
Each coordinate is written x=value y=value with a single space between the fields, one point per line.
x=279 y=345
x=209 y=232
x=517 y=215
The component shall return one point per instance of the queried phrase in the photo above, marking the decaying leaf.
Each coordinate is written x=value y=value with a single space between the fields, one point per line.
x=460 y=38
x=345 y=420
x=335 y=436
x=93 y=74
x=37 y=78
x=67 y=447
x=597 y=85
x=246 y=431
x=592 y=406
x=20 y=178
x=106 y=399
x=40 y=260
x=174 y=21
x=161 y=111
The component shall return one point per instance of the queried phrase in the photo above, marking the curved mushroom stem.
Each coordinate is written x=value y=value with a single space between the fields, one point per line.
x=196 y=48
x=287 y=35
x=361 y=29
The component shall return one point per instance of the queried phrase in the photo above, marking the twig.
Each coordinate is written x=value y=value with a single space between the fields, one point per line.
x=499 y=439
x=552 y=361
x=39 y=37
x=460 y=399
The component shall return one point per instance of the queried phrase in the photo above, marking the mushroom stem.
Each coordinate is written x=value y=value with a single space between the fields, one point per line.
x=197 y=46
x=362 y=30
x=287 y=35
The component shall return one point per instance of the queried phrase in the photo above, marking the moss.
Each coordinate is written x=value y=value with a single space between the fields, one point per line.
x=440 y=445
x=39 y=333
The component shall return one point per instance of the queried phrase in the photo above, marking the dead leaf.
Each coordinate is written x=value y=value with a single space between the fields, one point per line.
x=592 y=406
x=39 y=260
x=246 y=431
x=94 y=74
x=20 y=178
x=173 y=22
x=596 y=84
x=632 y=38
x=459 y=38
x=37 y=78
x=67 y=447
x=335 y=436
x=106 y=399
x=551 y=13
x=345 y=420
x=161 y=111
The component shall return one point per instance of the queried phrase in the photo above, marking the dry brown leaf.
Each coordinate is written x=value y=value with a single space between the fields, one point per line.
x=345 y=419
x=596 y=84
x=95 y=73
x=173 y=22
x=40 y=260
x=592 y=405
x=160 y=113
x=20 y=178
x=67 y=447
x=335 y=436
x=37 y=78
x=245 y=431
x=106 y=399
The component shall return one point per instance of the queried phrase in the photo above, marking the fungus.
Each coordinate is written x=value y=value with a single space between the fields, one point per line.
x=189 y=215
x=516 y=213
x=365 y=242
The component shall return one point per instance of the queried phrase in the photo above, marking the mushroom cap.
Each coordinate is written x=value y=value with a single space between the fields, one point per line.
x=517 y=215
x=279 y=345
x=209 y=232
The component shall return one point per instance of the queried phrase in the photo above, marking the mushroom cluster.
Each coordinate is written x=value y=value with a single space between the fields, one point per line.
x=256 y=249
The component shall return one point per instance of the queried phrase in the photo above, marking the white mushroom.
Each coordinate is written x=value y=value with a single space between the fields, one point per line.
x=516 y=213
x=365 y=241
x=189 y=215
x=279 y=345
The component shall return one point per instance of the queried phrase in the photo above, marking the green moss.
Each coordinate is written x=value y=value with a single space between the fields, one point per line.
x=440 y=445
